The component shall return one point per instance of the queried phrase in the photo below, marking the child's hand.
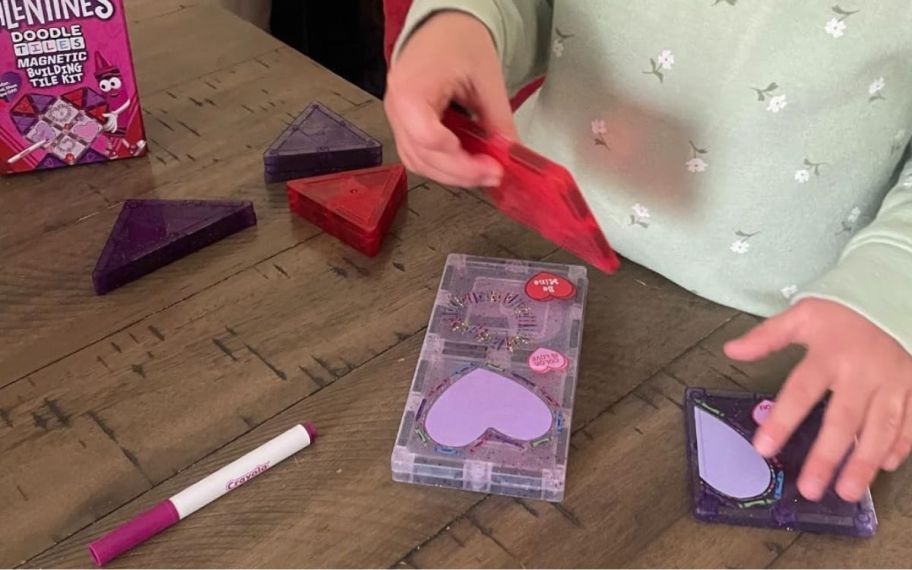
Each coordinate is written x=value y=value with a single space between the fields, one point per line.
x=870 y=376
x=451 y=57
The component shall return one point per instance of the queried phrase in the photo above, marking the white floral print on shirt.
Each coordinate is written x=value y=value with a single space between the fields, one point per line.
x=599 y=130
x=837 y=26
x=789 y=291
x=640 y=216
x=742 y=244
x=557 y=48
x=875 y=90
x=696 y=164
x=850 y=222
x=661 y=64
x=803 y=175
x=854 y=215
x=899 y=141
x=775 y=102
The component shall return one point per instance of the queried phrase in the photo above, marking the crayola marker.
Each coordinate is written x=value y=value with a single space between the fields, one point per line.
x=170 y=511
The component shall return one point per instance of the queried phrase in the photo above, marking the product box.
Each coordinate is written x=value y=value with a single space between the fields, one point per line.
x=68 y=93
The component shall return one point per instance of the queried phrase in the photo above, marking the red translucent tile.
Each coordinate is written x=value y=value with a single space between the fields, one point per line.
x=357 y=207
x=149 y=234
x=319 y=142
x=539 y=194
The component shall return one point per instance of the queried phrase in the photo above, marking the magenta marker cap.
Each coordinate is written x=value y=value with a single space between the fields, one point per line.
x=311 y=431
x=133 y=532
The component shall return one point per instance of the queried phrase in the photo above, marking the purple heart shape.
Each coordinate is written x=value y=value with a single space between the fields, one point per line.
x=728 y=462
x=10 y=82
x=483 y=400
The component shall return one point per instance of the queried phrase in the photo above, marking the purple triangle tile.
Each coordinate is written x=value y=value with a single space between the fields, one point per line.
x=315 y=165
x=338 y=160
x=150 y=234
x=93 y=99
x=273 y=175
x=91 y=156
x=320 y=141
x=42 y=102
x=48 y=162
x=23 y=123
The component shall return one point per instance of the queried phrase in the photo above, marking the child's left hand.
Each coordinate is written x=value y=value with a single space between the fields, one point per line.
x=870 y=376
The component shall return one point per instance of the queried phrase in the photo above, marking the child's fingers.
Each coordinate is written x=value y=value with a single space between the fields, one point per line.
x=903 y=445
x=456 y=169
x=404 y=150
x=413 y=117
x=884 y=420
x=772 y=335
x=466 y=169
x=421 y=122
x=803 y=389
x=841 y=423
x=435 y=151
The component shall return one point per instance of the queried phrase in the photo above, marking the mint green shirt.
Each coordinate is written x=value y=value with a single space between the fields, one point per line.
x=754 y=152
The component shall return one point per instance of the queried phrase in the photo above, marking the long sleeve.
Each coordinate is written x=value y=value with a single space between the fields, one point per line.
x=521 y=30
x=874 y=273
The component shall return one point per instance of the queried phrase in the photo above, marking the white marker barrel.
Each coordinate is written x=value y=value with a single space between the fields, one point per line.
x=169 y=512
x=240 y=471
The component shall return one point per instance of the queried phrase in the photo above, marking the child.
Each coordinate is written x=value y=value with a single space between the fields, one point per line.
x=753 y=152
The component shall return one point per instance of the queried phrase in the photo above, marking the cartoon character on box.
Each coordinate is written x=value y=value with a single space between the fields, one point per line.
x=111 y=84
x=65 y=127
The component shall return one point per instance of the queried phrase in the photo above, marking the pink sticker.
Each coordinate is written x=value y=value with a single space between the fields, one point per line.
x=544 y=360
x=762 y=411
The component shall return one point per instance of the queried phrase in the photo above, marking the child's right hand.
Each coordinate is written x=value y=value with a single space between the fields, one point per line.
x=450 y=58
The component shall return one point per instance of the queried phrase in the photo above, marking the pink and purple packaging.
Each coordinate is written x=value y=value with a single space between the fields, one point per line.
x=68 y=92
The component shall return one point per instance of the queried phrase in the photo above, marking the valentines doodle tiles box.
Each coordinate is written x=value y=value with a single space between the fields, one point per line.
x=67 y=90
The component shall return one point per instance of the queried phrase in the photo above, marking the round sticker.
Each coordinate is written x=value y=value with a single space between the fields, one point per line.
x=762 y=411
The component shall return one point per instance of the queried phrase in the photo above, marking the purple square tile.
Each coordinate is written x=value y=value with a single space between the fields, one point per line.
x=731 y=483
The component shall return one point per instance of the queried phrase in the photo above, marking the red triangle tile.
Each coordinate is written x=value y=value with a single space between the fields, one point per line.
x=357 y=207
x=76 y=97
x=24 y=107
x=149 y=234
x=539 y=194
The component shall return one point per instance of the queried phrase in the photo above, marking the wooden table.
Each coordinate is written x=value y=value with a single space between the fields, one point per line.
x=110 y=404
